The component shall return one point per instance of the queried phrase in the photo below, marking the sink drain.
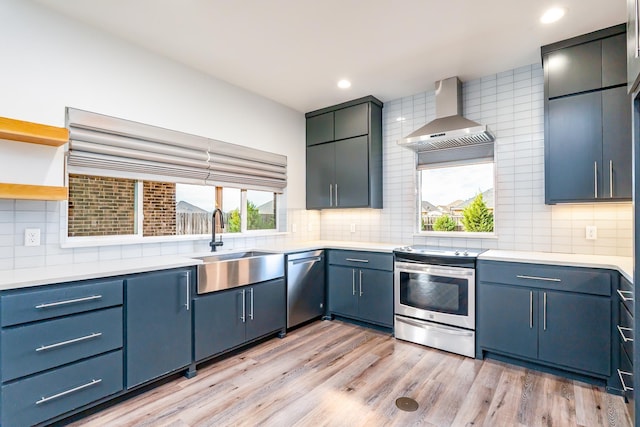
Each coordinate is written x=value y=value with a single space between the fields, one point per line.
x=406 y=404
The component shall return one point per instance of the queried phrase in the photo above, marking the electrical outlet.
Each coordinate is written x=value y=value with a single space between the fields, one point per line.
x=591 y=232
x=353 y=228
x=294 y=228
x=32 y=237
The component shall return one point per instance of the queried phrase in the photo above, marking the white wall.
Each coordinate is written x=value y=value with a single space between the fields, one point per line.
x=511 y=103
x=50 y=62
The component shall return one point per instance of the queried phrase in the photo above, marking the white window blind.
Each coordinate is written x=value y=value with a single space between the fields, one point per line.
x=110 y=146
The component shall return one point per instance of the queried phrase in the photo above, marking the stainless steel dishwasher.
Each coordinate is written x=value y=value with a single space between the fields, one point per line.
x=305 y=286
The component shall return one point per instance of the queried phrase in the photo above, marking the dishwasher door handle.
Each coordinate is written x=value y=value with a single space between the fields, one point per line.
x=306 y=260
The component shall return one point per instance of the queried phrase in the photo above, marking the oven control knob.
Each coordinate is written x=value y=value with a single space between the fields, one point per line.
x=457 y=253
x=466 y=253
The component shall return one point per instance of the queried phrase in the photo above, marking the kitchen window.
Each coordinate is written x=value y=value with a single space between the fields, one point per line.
x=457 y=199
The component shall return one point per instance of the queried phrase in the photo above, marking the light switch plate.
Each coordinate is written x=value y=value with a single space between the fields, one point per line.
x=591 y=232
x=353 y=228
x=32 y=237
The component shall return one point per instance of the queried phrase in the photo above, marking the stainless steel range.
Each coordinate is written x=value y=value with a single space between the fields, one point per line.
x=434 y=290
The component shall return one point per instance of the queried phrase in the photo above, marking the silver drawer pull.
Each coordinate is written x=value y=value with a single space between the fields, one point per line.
x=546 y=279
x=622 y=295
x=72 y=390
x=624 y=386
x=69 y=301
x=63 y=343
x=621 y=329
x=357 y=260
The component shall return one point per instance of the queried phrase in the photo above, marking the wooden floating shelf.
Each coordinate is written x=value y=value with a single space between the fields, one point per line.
x=32 y=192
x=34 y=133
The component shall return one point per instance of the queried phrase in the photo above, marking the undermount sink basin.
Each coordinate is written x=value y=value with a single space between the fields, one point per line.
x=229 y=270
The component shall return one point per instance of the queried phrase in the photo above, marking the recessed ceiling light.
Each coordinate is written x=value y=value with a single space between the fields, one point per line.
x=344 y=84
x=552 y=15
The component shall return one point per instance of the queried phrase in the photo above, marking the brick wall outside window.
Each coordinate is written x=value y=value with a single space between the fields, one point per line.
x=159 y=208
x=101 y=206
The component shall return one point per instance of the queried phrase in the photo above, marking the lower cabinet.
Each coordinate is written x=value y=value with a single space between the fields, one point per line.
x=531 y=316
x=360 y=286
x=158 y=324
x=227 y=319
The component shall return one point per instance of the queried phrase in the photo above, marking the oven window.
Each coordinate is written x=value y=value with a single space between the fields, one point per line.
x=434 y=293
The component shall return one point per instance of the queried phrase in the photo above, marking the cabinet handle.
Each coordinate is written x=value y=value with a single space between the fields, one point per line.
x=611 y=178
x=530 y=309
x=244 y=314
x=622 y=293
x=360 y=282
x=330 y=195
x=353 y=281
x=624 y=386
x=63 y=343
x=595 y=179
x=544 y=309
x=621 y=329
x=546 y=279
x=336 y=195
x=69 y=301
x=187 y=304
x=72 y=390
x=251 y=300
x=357 y=260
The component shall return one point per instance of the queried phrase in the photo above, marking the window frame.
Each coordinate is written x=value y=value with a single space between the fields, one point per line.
x=456 y=234
x=67 y=241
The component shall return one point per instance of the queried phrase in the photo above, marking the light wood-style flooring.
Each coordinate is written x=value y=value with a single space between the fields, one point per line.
x=332 y=373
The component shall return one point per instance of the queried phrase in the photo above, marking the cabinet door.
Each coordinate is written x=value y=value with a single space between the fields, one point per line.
x=352 y=121
x=633 y=57
x=375 y=289
x=342 y=290
x=616 y=143
x=506 y=319
x=574 y=152
x=218 y=322
x=320 y=176
x=352 y=172
x=575 y=331
x=320 y=128
x=574 y=69
x=614 y=61
x=158 y=324
x=266 y=308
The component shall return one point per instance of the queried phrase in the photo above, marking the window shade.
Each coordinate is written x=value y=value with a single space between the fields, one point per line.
x=455 y=156
x=116 y=147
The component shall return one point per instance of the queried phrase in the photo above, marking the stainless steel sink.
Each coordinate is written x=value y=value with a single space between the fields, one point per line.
x=229 y=270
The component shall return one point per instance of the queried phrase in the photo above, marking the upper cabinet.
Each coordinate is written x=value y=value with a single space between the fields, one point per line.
x=344 y=155
x=633 y=45
x=587 y=119
x=32 y=133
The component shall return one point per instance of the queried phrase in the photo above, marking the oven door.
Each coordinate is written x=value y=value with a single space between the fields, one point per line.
x=435 y=293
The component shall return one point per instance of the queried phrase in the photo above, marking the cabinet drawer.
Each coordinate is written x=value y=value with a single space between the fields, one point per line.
x=360 y=259
x=44 y=345
x=570 y=279
x=625 y=330
x=57 y=300
x=48 y=395
x=625 y=294
x=625 y=372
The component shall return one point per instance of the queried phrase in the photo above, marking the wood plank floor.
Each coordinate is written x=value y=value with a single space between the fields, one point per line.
x=332 y=373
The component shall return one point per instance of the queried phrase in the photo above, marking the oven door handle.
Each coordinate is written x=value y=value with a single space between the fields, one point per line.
x=436 y=270
x=421 y=324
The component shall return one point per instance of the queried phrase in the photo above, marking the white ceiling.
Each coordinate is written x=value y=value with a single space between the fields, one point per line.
x=294 y=51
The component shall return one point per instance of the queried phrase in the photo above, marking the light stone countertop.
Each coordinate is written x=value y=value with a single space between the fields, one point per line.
x=28 y=277
x=620 y=263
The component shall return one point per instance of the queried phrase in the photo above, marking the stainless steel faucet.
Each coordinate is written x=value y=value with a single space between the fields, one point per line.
x=213 y=242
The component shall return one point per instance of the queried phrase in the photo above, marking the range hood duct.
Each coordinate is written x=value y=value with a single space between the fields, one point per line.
x=449 y=129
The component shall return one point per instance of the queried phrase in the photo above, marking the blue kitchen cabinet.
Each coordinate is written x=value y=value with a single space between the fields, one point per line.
x=158 y=324
x=227 y=319
x=360 y=286
x=559 y=317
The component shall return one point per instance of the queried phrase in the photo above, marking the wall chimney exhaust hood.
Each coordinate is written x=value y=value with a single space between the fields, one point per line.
x=449 y=129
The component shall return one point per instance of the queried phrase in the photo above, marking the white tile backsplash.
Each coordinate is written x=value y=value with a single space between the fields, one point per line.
x=511 y=103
